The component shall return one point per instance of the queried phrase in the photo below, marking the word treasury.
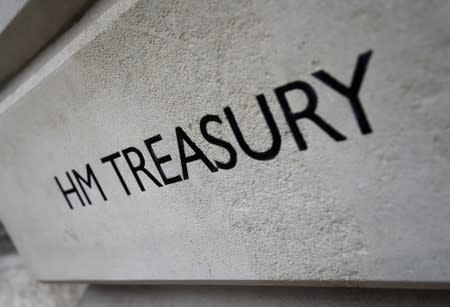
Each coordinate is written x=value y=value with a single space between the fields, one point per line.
x=74 y=187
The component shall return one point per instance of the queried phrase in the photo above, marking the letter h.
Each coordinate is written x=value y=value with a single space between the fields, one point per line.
x=69 y=191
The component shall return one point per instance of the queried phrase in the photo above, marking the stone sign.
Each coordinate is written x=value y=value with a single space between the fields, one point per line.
x=254 y=141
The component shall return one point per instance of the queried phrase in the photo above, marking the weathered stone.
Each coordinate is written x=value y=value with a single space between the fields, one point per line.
x=373 y=207
x=18 y=288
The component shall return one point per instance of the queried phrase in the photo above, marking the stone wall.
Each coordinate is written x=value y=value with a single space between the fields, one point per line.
x=19 y=288
x=132 y=48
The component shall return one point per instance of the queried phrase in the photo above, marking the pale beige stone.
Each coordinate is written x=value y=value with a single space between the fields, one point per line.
x=373 y=208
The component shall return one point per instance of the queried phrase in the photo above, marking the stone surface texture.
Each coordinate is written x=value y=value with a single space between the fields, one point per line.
x=372 y=208
x=19 y=289
x=8 y=10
